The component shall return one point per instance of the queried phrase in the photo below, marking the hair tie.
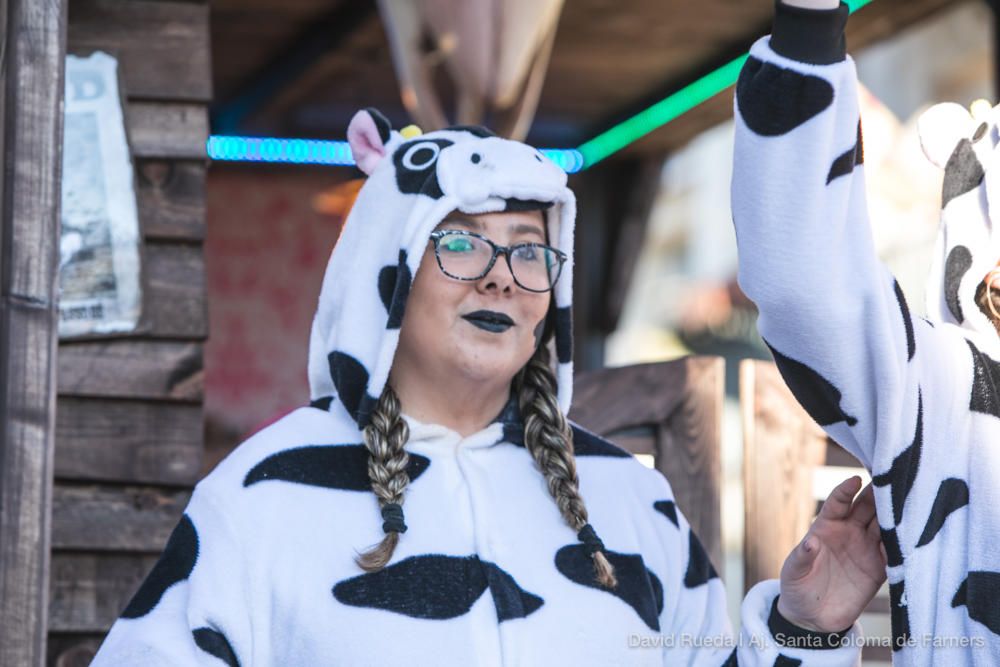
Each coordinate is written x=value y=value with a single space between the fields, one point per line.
x=590 y=539
x=392 y=517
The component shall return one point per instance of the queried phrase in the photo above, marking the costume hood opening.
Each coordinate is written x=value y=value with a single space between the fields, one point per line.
x=968 y=245
x=413 y=183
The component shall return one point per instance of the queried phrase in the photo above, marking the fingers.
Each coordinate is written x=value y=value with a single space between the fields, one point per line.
x=838 y=504
x=799 y=563
x=863 y=510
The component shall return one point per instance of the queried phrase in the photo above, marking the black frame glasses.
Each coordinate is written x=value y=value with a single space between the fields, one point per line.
x=498 y=250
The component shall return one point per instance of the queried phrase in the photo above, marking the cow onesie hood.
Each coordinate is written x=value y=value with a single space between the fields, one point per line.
x=261 y=568
x=412 y=185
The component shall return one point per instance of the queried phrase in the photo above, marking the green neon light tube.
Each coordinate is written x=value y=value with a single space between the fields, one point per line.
x=669 y=108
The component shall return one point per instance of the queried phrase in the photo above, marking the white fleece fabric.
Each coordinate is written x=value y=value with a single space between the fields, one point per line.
x=261 y=570
x=915 y=400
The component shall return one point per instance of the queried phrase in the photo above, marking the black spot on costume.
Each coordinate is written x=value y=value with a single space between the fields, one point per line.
x=175 y=565
x=437 y=588
x=215 y=643
x=328 y=466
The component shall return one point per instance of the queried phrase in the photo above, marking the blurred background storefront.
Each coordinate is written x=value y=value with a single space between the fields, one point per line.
x=245 y=236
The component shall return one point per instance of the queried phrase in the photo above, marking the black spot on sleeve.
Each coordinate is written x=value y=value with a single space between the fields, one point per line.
x=215 y=643
x=814 y=392
x=903 y=471
x=394 y=288
x=784 y=661
x=637 y=586
x=699 y=569
x=899 y=616
x=668 y=509
x=957 y=264
x=175 y=565
x=911 y=344
x=890 y=540
x=952 y=495
x=329 y=466
x=979 y=594
x=773 y=100
x=845 y=164
x=985 y=396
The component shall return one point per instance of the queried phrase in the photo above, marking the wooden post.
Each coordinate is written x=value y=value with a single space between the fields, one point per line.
x=33 y=48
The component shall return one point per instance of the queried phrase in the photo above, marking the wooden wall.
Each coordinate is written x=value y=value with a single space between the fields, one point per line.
x=129 y=411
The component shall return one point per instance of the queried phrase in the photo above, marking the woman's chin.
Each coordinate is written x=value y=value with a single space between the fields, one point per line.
x=485 y=366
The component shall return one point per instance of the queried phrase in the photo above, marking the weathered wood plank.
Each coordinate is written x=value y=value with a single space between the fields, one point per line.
x=782 y=446
x=171 y=197
x=90 y=590
x=112 y=518
x=31 y=90
x=128 y=441
x=681 y=401
x=167 y=130
x=137 y=369
x=163 y=48
x=689 y=451
x=175 y=304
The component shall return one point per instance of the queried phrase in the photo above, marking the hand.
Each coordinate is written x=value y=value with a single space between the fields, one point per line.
x=813 y=4
x=839 y=565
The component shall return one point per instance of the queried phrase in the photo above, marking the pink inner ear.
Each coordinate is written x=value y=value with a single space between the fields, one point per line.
x=366 y=144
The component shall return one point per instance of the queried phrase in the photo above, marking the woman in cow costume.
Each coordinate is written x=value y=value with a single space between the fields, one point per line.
x=915 y=400
x=433 y=505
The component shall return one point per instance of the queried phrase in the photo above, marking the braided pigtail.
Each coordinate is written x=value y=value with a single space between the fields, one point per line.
x=550 y=441
x=385 y=437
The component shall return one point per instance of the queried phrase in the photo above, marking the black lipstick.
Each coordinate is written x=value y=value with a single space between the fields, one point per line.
x=489 y=320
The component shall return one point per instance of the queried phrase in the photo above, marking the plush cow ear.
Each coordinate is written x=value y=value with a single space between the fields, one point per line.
x=367 y=134
x=941 y=128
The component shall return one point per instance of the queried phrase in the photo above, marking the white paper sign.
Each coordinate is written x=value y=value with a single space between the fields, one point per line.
x=99 y=268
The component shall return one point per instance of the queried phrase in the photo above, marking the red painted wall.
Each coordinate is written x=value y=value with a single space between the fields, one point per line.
x=265 y=250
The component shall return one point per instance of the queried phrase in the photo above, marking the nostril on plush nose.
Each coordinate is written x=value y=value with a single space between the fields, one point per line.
x=476 y=158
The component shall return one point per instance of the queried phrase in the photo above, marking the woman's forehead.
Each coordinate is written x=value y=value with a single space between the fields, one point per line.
x=517 y=222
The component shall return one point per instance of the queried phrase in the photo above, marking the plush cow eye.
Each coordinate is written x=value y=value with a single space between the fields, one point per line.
x=421 y=155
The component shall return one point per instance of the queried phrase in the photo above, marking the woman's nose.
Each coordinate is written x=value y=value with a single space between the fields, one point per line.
x=498 y=278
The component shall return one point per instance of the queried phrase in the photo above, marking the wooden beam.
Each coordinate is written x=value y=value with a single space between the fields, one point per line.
x=282 y=73
x=136 y=519
x=162 y=47
x=175 y=305
x=139 y=442
x=31 y=90
x=171 y=198
x=167 y=130
x=90 y=590
x=132 y=369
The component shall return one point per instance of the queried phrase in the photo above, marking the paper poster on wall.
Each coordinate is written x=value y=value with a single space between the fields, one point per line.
x=99 y=267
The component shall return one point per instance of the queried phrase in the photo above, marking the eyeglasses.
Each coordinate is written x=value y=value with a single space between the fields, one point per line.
x=470 y=256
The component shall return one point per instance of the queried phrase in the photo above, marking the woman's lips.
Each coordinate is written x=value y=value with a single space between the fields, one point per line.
x=489 y=320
